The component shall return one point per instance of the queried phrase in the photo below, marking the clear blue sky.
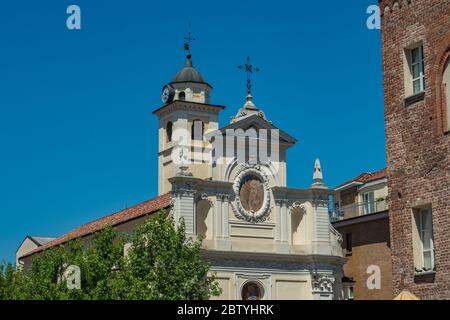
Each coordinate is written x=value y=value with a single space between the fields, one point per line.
x=77 y=136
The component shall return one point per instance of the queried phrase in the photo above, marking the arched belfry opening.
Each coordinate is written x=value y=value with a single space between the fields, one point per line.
x=169 y=128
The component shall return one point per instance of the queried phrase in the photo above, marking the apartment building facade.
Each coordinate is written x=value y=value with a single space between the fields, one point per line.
x=361 y=215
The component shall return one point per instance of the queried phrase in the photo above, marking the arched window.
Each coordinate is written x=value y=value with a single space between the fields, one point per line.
x=446 y=89
x=182 y=95
x=197 y=130
x=169 y=131
x=252 y=291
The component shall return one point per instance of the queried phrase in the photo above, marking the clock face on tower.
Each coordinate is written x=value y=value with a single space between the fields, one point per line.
x=168 y=93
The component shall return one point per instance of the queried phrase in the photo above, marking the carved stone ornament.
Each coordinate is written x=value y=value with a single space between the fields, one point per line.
x=320 y=200
x=337 y=236
x=322 y=283
x=252 y=194
x=171 y=207
x=297 y=205
x=205 y=197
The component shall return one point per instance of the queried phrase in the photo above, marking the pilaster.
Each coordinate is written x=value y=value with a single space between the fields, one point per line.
x=282 y=232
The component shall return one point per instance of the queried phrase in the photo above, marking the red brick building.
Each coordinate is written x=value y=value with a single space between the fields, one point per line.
x=416 y=72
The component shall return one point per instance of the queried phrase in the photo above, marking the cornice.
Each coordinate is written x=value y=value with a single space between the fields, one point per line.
x=298 y=194
x=187 y=105
x=264 y=257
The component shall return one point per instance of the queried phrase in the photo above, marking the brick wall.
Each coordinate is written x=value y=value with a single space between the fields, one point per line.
x=417 y=144
x=371 y=246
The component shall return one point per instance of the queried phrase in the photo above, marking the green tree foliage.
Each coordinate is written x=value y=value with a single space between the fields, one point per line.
x=162 y=263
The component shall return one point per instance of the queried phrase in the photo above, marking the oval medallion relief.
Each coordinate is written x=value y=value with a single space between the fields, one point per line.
x=251 y=193
x=251 y=187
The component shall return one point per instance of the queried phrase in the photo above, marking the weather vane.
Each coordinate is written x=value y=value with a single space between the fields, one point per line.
x=187 y=43
x=249 y=69
x=188 y=40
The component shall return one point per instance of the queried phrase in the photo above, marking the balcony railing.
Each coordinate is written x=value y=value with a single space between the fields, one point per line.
x=359 y=209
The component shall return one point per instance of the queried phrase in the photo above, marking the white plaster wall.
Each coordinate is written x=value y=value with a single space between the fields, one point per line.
x=277 y=285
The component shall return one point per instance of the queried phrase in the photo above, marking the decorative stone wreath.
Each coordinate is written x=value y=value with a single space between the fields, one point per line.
x=239 y=211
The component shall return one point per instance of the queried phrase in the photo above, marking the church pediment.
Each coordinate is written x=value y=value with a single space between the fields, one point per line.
x=254 y=122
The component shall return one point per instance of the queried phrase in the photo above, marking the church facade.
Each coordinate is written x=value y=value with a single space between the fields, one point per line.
x=228 y=183
x=263 y=239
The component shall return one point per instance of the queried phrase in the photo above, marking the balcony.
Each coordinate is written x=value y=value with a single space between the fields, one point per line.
x=359 y=209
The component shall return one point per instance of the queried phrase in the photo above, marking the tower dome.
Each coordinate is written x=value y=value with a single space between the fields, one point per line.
x=188 y=73
x=189 y=85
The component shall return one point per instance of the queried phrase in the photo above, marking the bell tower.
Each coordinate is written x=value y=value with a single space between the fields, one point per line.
x=184 y=119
